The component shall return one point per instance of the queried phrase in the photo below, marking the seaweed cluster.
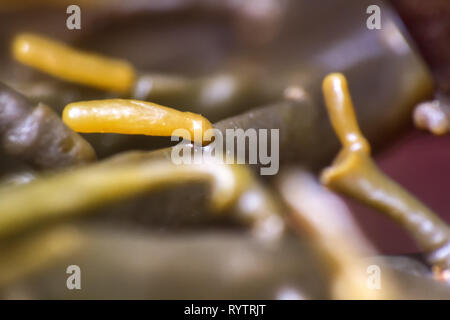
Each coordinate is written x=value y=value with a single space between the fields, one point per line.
x=87 y=176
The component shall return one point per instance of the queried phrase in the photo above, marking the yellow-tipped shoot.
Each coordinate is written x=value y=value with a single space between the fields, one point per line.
x=354 y=173
x=135 y=117
x=73 y=65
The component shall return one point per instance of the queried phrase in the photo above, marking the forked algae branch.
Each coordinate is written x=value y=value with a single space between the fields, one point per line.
x=355 y=174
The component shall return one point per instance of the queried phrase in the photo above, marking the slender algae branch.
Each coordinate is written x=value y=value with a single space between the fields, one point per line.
x=355 y=174
x=328 y=224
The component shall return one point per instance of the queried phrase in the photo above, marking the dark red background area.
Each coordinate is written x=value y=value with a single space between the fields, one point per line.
x=428 y=22
x=420 y=162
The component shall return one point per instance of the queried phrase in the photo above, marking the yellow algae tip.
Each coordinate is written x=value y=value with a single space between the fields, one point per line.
x=342 y=114
x=343 y=119
x=73 y=65
x=135 y=117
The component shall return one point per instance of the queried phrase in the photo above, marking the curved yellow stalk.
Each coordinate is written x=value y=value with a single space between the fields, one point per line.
x=342 y=114
x=79 y=190
x=354 y=173
x=73 y=65
x=135 y=117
